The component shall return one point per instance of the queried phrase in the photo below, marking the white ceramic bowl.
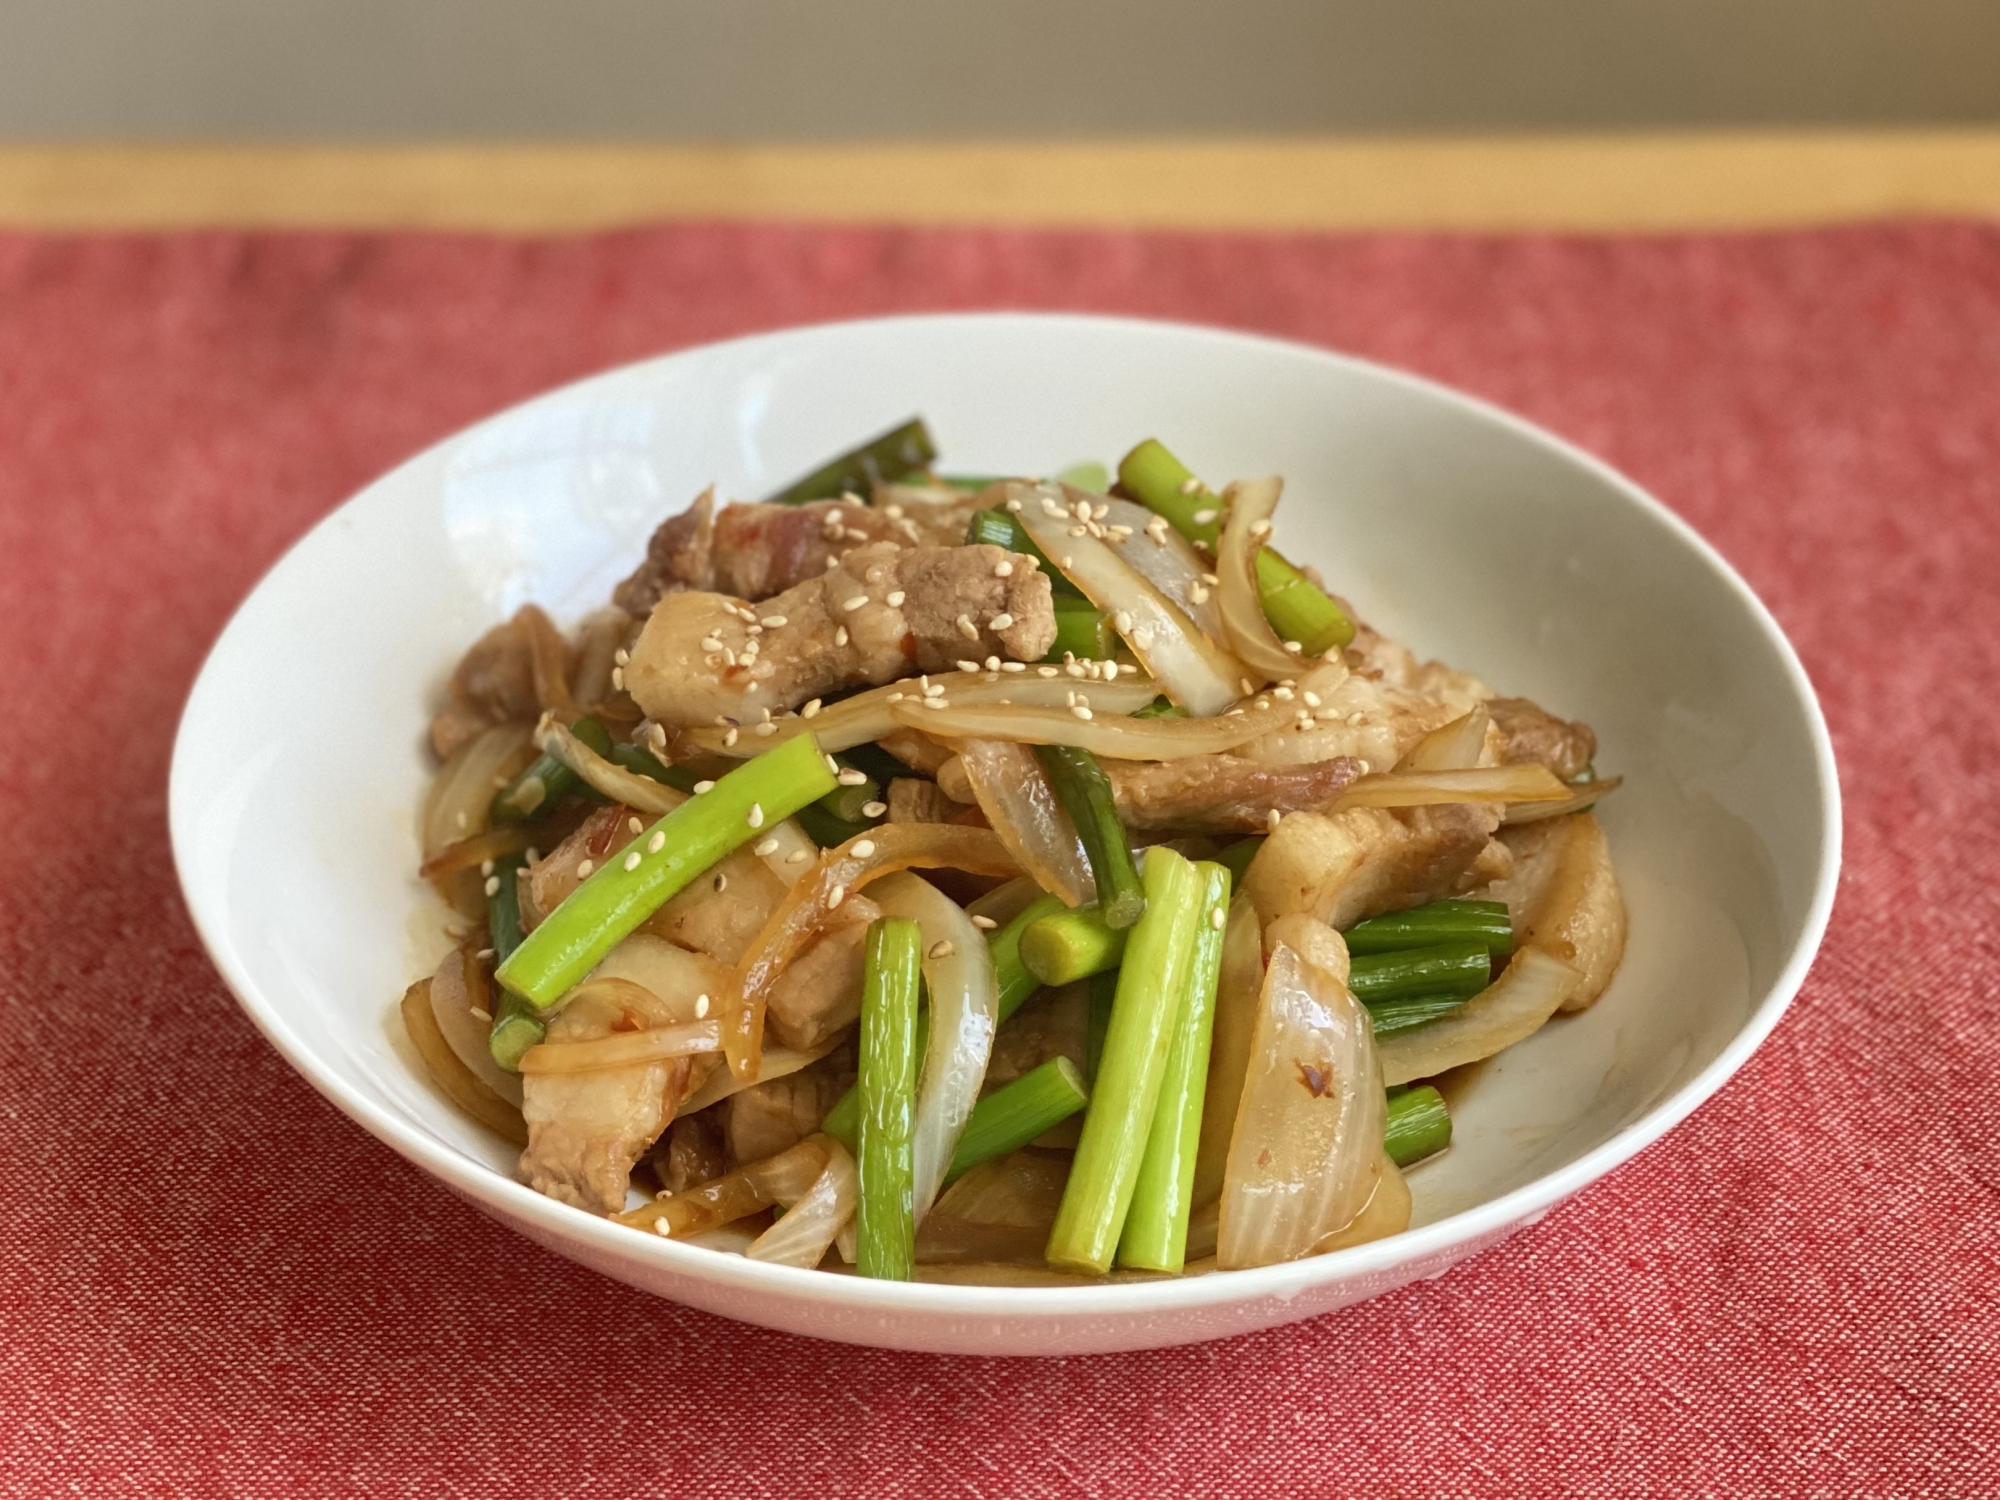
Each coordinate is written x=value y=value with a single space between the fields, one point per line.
x=1467 y=532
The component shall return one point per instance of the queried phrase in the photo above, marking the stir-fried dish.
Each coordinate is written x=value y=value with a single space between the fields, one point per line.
x=1003 y=879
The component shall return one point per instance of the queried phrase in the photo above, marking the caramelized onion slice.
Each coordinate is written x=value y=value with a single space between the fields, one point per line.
x=1584 y=798
x=1456 y=746
x=1504 y=784
x=1244 y=534
x=1119 y=736
x=1507 y=1011
x=811 y=1223
x=1018 y=801
x=455 y=809
x=805 y=911
x=868 y=716
x=1193 y=670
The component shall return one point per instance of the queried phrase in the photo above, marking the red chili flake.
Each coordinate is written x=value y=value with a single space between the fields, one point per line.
x=1316 y=1080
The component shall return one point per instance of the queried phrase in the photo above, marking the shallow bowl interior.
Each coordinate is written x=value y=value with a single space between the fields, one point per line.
x=1466 y=532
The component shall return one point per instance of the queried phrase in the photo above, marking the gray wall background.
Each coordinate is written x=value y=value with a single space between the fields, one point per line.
x=722 y=70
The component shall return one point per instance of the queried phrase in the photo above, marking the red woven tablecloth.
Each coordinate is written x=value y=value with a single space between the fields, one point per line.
x=211 y=1283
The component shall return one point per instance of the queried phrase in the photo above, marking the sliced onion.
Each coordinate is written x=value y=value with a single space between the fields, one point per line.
x=1236 y=998
x=548 y=655
x=622 y=1049
x=508 y=838
x=776 y=1062
x=1584 y=799
x=466 y=1034
x=1166 y=560
x=782 y=840
x=1306 y=1152
x=456 y=808
x=868 y=716
x=1387 y=1213
x=1505 y=784
x=1191 y=669
x=598 y=638
x=811 y=1223
x=804 y=912
x=965 y=1009
x=786 y=1177
x=1456 y=746
x=1018 y=801
x=1249 y=634
x=1118 y=736
x=453 y=1078
x=1509 y=1010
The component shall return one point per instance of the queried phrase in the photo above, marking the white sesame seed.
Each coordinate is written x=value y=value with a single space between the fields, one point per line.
x=1247 y=685
x=984 y=924
x=1048 y=671
x=635 y=825
x=765 y=729
x=756 y=817
x=1217 y=918
x=1142 y=637
x=1259 y=529
x=942 y=948
x=968 y=666
x=848 y=776
x=835 y=896
x=721 y=884
x=492 y=885
x=618 y=678
x=934 y=703
x=1082 y=711
x=1013 y=666
x=1119 y=533
x=1294 y=647
x=533 y=855
x=705 y=786
x=1203 y=517
x=893 y=512
x=1003 y=569
x=773 y=622
x=460 y=820
x=1014 y=506
x=1271 y=819
x=896 y=598
x=873 y=809
x=583 y=869
x=1068 y=562
x=1122 y=621
x=992 y=663
x=832 y=563
x=484 y=1015
x=700 y=1006
x=1363 y=766
x=486 y=867
x=1198 y=593
x=797 y=857
x=710 y=644
x=1210 y=579
x=1079 y=531
x=1282 y=693
x=966 y=628
x=632 y=860
x=864 y=850
x=1157 y=529
x=855 y=603
x=895 y=698
x=484 y=953
x=1190 y=486
x=729 y=738
x=622 y=656
x=840 y=636
x=1000 y=621
x=656 y=843
x=766 y=847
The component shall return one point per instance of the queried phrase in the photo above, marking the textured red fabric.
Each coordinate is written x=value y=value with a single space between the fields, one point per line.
x=213 y=1284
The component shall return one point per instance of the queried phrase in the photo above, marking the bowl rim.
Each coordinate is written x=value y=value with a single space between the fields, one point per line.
x=1434 y=1243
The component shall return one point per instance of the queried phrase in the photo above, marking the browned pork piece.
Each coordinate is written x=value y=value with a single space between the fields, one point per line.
x=880 y=614
x=776 y=1115
x=1529 y=733
x=1341 y=867
x=1222 y=793
x=820 y=991
x=493 y=684
x=586 y=1131
x=754 y=550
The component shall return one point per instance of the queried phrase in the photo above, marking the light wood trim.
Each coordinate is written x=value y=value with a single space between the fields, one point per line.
x=1576 y=182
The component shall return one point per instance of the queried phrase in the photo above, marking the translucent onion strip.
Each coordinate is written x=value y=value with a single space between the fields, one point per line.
x=1511 y=1009
x=784 y=1178
x=451 y=1002
x=548 y=655
x=1585 y=797
x=1456 y=746
x=456 y=808
x=1018 y=801
x=1192 y=669
x=1166 y=560
x=1243 y=536
x=1306 y=1153
x=807 y=907
x=868 y=716
x=776 y=1062
x=964 y=1011
x=1505 y=784
x=811 y=1223
x=1119 y=736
